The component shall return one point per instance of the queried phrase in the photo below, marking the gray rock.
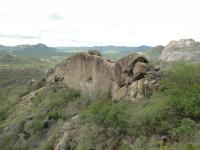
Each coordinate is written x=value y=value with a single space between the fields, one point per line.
x=133 y=94
x=88 y=72
x=180 y=50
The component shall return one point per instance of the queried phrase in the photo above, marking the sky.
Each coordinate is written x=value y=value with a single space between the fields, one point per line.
x=98 y=22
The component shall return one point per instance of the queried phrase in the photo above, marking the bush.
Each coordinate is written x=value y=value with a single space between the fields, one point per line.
x=184 y=131
x=3 y=107
x=192 y=147
x=182 y=89
x=109 y=114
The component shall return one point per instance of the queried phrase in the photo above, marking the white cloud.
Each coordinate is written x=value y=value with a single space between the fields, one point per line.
x=18 y=36
x=99 y=22
x=56 y=16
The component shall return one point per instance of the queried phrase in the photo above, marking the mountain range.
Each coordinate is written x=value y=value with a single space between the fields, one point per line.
x=183 y=49
x=41 y=49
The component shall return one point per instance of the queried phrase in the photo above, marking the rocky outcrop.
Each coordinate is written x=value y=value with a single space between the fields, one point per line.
x=129 y=77
x=10 y=58
x=184 y=49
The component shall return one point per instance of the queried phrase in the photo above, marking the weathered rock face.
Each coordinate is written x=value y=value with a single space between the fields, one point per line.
x=184 y=49
x=125 y=78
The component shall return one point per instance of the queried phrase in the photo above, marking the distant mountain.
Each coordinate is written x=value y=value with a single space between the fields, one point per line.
x=41 y=50
x=105 y=49
x=36 y=50
x=30 y=50
x=4 y=49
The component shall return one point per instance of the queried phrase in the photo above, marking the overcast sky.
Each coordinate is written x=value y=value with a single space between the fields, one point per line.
x=98 y=22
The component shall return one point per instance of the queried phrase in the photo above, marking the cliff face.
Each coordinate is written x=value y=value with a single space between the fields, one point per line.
x=184 y=49
x=129 y=77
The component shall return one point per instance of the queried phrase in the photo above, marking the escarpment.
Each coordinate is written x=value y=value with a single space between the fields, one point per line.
x=129 y=77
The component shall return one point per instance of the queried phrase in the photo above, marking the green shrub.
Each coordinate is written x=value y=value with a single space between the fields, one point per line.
x=53 y=134
x=192 y=147
x=3 y=107
x=140 y=143
x=182 y=89
x=37 y=124
x=184 y=131
x=94 y=136
x=109 y=114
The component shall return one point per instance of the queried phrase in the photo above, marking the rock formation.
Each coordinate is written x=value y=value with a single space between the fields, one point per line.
x=129 y=77
x=184 y=49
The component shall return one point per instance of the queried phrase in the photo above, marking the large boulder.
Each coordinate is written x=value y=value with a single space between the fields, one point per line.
x=89 y=72
x=123 y=68
x=86 y=72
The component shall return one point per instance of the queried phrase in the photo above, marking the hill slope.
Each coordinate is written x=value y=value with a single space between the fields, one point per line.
x=154 y=53
x=53 y=116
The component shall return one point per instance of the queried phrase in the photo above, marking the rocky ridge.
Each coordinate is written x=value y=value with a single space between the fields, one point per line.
x=184 y=49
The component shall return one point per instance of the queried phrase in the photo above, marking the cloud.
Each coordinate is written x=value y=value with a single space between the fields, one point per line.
x=60 y=31
x=56 y=17
x=83 y=42
x=115 y=26
x=74 y=41
x=17 y=36
x=6 y=15
x=13 y=16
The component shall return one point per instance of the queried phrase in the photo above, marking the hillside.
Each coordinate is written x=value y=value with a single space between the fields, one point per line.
x=154 y=53
x=10 y=60
x=42 y=115
x=35 y=50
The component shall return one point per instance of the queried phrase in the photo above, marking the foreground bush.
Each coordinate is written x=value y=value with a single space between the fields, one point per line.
x=184 y=131
x=109 y=114
x=182 y=89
